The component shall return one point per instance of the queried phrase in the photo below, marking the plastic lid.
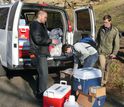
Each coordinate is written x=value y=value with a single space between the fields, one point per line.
x=22 y=22
x=87 y=73
x=57 y=91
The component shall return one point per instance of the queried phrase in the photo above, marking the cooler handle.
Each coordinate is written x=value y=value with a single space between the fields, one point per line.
x=63 y=82
x=50 y=93
x=23 y=30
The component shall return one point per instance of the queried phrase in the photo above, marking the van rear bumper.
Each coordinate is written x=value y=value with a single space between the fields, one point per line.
x=58 y=61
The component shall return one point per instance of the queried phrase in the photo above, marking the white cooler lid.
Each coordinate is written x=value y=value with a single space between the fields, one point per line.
x=87 y=73
x=57 y=91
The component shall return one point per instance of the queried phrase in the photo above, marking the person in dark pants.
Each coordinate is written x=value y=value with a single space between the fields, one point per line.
x=39 y=46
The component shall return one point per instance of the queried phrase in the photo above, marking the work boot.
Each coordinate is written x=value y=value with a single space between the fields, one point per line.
x=39 y=96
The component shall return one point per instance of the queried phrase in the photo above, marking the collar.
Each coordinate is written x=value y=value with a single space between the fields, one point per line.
x=107 y=29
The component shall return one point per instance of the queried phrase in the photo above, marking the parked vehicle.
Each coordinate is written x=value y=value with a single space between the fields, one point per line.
x=14 y=32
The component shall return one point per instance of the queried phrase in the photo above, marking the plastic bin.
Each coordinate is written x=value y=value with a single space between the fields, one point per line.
x=84 y=78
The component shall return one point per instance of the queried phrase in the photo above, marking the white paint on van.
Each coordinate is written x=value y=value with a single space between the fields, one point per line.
x=15 y=50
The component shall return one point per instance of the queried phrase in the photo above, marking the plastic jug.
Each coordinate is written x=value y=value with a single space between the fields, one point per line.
x=71 y=102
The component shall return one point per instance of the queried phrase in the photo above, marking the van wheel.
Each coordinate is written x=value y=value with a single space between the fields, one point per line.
x=2 y=70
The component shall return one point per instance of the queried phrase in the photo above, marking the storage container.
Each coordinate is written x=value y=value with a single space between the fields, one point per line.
x=56 y=95
x=85 y=78
x=24 y=32
x=71 y=102
x=90 y=101
x=67 y=75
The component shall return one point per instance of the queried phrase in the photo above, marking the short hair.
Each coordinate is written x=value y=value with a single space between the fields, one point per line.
x=65 y=47
x=107 y=17
x=39 y=12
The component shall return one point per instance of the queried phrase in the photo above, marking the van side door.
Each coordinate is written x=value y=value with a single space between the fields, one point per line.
x=84 y=23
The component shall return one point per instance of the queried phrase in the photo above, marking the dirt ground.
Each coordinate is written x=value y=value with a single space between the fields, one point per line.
x=18 y=91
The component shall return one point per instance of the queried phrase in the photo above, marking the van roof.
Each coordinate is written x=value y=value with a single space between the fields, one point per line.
x=44 y=5
x=35 y=4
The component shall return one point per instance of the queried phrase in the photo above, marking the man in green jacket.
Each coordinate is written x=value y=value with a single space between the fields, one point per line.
x=107 y=44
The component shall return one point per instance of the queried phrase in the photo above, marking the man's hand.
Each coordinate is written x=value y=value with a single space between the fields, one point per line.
x=112 y=56
x=32 y=56
x=55 y=41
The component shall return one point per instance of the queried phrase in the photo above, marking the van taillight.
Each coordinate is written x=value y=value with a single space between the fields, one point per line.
x=69 y=26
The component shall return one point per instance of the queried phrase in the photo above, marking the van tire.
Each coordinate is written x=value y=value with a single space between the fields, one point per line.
x=2 y=70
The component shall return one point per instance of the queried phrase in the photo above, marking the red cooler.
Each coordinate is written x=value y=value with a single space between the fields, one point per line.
x=23 y=32
x=56 y=95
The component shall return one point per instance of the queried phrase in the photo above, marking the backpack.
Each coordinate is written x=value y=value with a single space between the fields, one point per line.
x=88 y=40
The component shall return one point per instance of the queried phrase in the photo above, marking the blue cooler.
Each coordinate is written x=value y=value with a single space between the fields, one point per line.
x=86 y=77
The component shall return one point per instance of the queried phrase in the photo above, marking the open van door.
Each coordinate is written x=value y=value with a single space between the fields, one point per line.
x=12 y=38
x=84 y=23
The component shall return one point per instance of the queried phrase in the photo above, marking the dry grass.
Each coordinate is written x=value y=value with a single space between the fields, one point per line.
x=113 y=7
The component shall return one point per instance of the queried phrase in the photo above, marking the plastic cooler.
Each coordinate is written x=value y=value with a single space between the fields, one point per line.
x=56 y=95
x=84 y=78
x=23 y=32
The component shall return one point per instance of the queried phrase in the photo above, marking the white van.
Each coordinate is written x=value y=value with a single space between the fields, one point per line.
x=14 y=32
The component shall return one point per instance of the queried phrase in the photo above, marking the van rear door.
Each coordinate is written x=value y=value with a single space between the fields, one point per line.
x=13 y=53
x=84 y=23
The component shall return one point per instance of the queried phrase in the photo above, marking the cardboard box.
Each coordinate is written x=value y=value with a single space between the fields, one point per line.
x=84 y=100
x=67 y=75
x=97 y=91
x=90 y=101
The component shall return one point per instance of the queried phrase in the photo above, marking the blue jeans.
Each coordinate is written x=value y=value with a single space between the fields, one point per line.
x=90 y=60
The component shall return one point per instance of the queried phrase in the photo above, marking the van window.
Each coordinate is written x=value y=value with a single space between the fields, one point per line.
x=54 y=20
x=28 y=16
x=83 y=20
x=3 y=17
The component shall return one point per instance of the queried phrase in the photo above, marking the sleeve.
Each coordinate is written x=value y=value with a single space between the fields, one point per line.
x=36 y=33
x=76 y=61
x=116 y=43
x=81 y=49
x=98 y=39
